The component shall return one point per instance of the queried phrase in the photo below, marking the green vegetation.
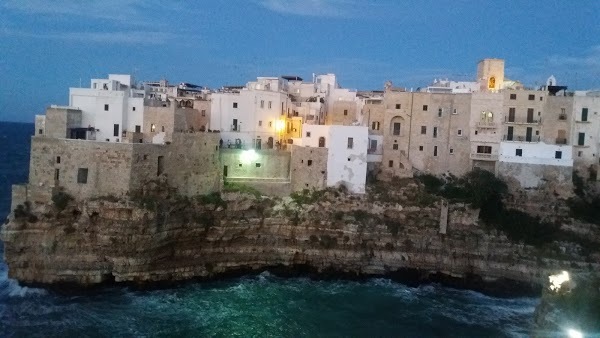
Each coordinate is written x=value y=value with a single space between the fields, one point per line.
x=23 y=212
x=585 y=206
x=307 y=196
x=241 y=188
x=61 y=199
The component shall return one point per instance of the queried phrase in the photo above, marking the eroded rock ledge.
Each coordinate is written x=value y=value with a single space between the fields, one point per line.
x=169 y=239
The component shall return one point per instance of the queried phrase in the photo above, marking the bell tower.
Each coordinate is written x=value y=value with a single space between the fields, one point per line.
x=490 y=74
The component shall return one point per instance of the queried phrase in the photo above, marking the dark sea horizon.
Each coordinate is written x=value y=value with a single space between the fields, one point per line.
x=252 y=306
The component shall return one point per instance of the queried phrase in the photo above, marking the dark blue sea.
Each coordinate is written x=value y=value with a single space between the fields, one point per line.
x=252 y=306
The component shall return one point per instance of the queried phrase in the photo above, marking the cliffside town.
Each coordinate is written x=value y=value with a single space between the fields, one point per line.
x=154 y=182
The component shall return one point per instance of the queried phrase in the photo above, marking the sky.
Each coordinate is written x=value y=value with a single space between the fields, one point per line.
x=48 y=46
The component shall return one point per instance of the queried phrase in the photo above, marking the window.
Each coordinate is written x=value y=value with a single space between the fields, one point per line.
x=270 y=124
x=423 y=130
x=57 y=159
x=160 y=165
x=531 y=97
x=350 y=143
x=511 y=114
x=579 y=153
x=420 y=148
x=395 y=146
x=105 y=107
x=270 y=104
x=375 y=126
x=434 y=150
x=82 y=175
x=262 y=103
x=558 y=154
x=398 y=105
x=424 y=107
x=162 y=128
x=203 y=112
x=235 y=105
x=541 y=98
x=40 y=131
x=391 y=164
x=138 y=129
x=152 y=127
x=345 y=112
x=435 y=132
x=459 y=132
x=581 y=139
x=397 y=126
x=584 y=114
x=519 y=152
x=454 y=112
x=372 y=145
x=308 y=134
x=57 y=174
x=321 y=142
x=451 y=151
x=258 y=165
x=309 y=162
x=439 y=112
x=260 y=123
x=133 y=108
x=116 y=130
x=484 y=149
x=513 y=96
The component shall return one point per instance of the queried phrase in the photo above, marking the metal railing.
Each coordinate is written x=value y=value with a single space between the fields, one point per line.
x=485 y=124
x=519 y=138
x=561 y=141
x=508 y=120
x=484 y=156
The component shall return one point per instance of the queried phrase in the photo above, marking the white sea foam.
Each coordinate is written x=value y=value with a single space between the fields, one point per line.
x=11 y=288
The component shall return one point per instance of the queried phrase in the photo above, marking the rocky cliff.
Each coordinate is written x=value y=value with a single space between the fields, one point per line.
x=402 y=232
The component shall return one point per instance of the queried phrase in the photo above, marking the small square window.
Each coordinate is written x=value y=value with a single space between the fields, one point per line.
x=420 y=148
x=270 y=104
x=308 y=134
x=235 y=105
x=398 y=105
x=82 y=175
x=203 y=112
x=558 y=154
x=133 y=108
x=260 y=123
x=345 y=112
x=424 y=107
x=451 y=151
x=105 y=107
x=531 y=97
x=240 y=165
x=519 y=152
x=513 y=96
x=459 y=132
x=391 y=164
x=440 y=112
x=258 y=165
x=423 y=130
x=309 y=162
x=395 y=146
x=350 y=143
x=40 y=131
x=57 y=159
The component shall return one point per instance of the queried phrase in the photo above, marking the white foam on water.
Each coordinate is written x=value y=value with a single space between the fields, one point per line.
x=11 y=288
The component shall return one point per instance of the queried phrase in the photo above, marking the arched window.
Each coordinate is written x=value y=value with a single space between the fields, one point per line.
x=492 y=83
x=321 y=142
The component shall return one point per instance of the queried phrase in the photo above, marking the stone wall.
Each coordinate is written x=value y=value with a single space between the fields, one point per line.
x=60 y=120
x=536 y=175
x=309 y=168
x=268 y=164
x=342 y=113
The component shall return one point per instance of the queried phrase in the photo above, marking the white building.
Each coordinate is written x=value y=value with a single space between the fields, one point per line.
x=111 y=106
x=347 y=153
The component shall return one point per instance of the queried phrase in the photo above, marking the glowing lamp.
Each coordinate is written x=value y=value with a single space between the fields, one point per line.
x=556 y=281
x=248 y=156
x=279 y=125
x=574 y=333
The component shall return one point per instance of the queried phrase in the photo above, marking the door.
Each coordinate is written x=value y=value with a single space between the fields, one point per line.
x=258 y=143
x=509 y=136
x=270 y=143
x=224 y=171
x=529 y=115
x=235 y=124
x=528 y=134
x=511 y=115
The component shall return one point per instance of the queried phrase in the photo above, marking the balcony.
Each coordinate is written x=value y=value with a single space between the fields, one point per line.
x=486 y=125
x=508 y=120
x=484 y=157
x=515 y=138
x=562 y=141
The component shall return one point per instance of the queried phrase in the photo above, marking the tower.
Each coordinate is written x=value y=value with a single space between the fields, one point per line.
x=490 y=74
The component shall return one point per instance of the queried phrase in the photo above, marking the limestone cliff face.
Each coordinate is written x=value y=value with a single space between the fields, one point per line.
x=171 y=239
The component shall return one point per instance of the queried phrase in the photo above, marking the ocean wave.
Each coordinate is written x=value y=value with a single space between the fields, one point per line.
x=11 y=288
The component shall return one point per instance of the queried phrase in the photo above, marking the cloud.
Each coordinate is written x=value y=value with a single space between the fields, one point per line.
x=326 y=8
x=124 y=37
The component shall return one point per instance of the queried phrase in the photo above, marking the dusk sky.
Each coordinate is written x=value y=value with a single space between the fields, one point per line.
x=48 y=46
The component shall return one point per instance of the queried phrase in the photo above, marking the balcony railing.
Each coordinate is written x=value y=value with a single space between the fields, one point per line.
x=561 y=141
x=515 y=138
x=484 y=156
x=486 y=125
x=508 y=120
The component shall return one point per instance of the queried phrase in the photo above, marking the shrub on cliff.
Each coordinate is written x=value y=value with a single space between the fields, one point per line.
x=61 y=199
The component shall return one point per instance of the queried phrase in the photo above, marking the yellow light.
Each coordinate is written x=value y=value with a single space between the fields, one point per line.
x=574 y=333
x=556 y=281
x=279 y=125
x=248 y=156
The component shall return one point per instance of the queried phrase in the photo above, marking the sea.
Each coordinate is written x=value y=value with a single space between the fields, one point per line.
x=260 y=305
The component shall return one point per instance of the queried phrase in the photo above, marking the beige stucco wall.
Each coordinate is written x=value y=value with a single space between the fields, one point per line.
x=305 y=176
x=60 y=120
x=342 y=113
x=395 y=161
